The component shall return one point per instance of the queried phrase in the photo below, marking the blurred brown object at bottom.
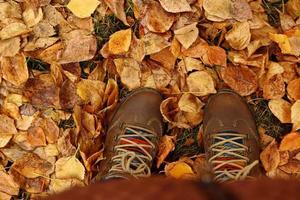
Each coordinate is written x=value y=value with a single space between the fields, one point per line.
x=164 y=189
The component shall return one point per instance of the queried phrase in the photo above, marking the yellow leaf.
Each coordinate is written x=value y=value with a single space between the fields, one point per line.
x=175 y=6
x=129 y=71
x=178 y=169
x=7 y=184
x=295 y=115
x=187 y=35
x=120 y=41
x=281 y=109
x=201 y=83
x=283 y=42
x=239 y=36
x=60 y=185
x=190 y=103
x=12 y=30
x=69 y=167
x=84 y=8
x=270 y=157
x=290 y=142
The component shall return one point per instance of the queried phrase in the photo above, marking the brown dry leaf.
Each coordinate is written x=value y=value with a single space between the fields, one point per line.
x=286 y=43
x=10 y=47
x=36 y=136
x=274 y=88
x=201 y=83
x=39 y=87
x=293 y=89
x=7 y=184
x=284 y=157
x=290 y=142
x=270 y=157
x=7 y=125
x=50 y=129
x=190 y=103
x=239 y=36
x=168 y=108
x=91 y=92
x=83 y=9
x=293 y=8
x=154 y=43
x=187 y=35
x=52 y=53
x=166 y=58
x=241 y=79
x=137 y=49
x=117 y=7
x=177 y=6
x=292 y=167
x=179 y=170
x=120 y=41
x=32 y=166
x=111 y=95
x=281 y=109
x=241 y=10
x=129 y=71
x=14 y=69
x=295 y=115
x=13 y=30
x=264 y=138
x=60 y=185
x=210 y=55
x=67 y=95
x=69 y=167
x=166 y=145
x=157 y=19
x=80 y=46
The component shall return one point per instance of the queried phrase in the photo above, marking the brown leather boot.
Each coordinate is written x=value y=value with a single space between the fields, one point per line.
x=230 y=137
x=133 y=136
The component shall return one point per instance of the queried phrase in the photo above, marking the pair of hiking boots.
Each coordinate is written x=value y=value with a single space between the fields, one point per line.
x=230 y=137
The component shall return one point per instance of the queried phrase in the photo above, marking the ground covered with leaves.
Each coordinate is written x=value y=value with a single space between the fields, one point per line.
x=66 y=63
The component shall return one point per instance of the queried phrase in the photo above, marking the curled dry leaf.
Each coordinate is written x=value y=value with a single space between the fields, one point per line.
x=83 y=9
x=32 y=16
x=187 y=35
x=190 y=103
x=270 y=157
x=217 y=10
x=157 y=19
x=91 y=91
x=166 y=146
x=120 y=41
x=201 y=83
x=281 y=109
x=14 y=69
x=264 y=138
x=7 y=184
x=32 y=166
x=176 y=6
x=292 y=167
x=239 y=36
x=68 y=168
x=240 y=78
x=129 y=71
x=67 y=95
x=290 y=142
x=50 y=129
x=117 y=7
x=295 y=115
x=284 y=157
x=293 y=89
x=179 y=170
